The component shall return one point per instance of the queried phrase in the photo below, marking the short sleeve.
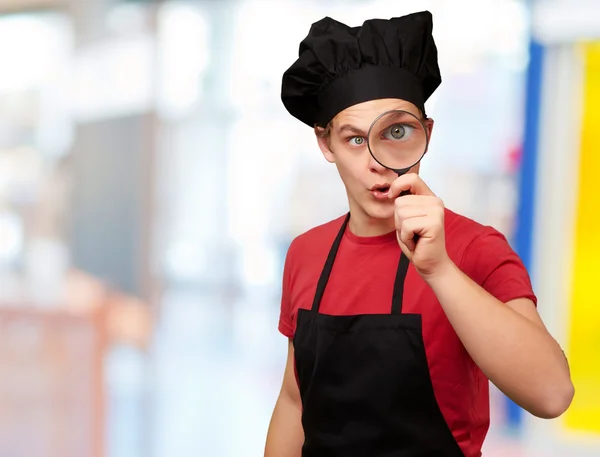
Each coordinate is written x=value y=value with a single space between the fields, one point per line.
x=492 y=263
x=285 y=315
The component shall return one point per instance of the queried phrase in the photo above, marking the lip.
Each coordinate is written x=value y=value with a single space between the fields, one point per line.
x=379 y=194
x=379 y=186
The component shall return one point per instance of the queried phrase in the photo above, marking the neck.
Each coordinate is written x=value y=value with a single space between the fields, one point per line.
x=362 y=225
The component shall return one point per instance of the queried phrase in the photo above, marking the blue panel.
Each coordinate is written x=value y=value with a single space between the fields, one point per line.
x=527 y=180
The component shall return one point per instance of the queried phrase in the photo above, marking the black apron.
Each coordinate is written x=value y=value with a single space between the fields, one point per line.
x=364 y=381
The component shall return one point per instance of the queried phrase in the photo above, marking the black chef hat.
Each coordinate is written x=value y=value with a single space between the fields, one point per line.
x=339 y=66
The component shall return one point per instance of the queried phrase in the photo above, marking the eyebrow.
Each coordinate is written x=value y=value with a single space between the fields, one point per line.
x=352 y=129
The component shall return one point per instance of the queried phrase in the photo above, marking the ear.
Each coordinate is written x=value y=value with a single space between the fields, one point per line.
x=323 y=142
x=429 y=125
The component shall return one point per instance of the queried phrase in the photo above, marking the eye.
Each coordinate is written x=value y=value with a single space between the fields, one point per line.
x=398 y=132
x=356 y=141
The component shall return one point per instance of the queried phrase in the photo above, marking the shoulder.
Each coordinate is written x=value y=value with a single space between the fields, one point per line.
x=315 y=239
x=463 y=227
x=485 y=255
x=311 y=247
x=463 y=232
x=475 y=245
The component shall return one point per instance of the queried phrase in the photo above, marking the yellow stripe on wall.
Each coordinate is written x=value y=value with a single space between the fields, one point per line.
x=584 y=328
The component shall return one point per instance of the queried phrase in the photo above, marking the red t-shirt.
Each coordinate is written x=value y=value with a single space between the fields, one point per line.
x=362 y=280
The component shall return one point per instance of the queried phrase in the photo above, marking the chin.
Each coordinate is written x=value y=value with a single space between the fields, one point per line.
x=379 y=211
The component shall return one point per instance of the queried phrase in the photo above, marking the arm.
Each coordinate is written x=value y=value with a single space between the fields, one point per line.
x=286 y=436
x=500 y=330
x=508 y=341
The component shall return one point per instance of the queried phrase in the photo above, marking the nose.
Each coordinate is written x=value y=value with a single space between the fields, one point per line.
x=375 y=166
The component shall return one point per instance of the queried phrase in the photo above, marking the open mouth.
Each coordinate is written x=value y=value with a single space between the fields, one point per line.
x=381 y=189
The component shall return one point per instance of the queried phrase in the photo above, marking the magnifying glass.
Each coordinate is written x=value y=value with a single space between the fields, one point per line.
x=398 y=141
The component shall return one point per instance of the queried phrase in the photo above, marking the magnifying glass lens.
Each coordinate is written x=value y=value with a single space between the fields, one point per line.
x=397 y=140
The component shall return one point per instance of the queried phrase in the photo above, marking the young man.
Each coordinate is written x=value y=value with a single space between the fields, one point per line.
x=399 y=312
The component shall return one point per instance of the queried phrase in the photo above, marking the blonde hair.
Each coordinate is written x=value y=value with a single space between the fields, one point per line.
x=323 y=132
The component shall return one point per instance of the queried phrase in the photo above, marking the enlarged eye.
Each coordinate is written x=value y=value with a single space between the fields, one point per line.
x=357 y=140
x=398 y=132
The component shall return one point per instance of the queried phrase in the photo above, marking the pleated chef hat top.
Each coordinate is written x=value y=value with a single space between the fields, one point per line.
x=340 y=66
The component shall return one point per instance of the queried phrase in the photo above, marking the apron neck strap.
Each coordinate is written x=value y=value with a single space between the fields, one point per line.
x=401 y=272
x=398 y=295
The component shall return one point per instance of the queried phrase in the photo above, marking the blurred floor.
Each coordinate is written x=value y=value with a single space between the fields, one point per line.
x=216 y=373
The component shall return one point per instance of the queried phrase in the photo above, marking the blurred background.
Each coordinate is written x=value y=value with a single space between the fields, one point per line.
x=151 y=182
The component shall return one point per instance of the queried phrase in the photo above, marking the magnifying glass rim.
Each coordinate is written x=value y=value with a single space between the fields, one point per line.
x=399 y=171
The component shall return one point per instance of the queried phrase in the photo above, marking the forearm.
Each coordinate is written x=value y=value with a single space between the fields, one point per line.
x=285 y=436
x=516 y=354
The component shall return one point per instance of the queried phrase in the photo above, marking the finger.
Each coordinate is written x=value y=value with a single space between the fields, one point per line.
x=403 y=213
x=406 y=213
x=410 y=182
x=407 y=252
x=410 y=230
x=432 y=206
x=417 y=200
